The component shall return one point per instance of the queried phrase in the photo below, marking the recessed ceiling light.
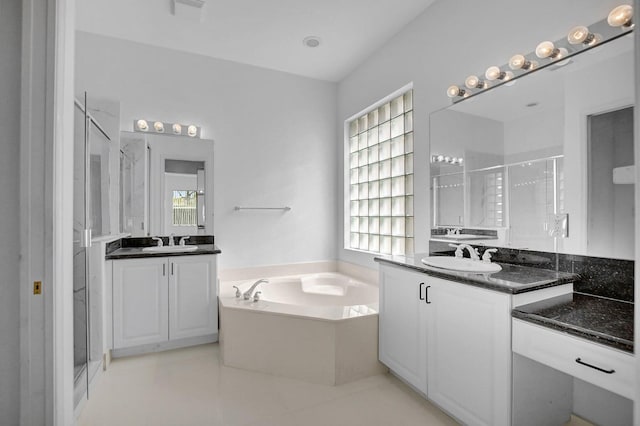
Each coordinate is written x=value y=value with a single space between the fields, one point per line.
x=311 y=41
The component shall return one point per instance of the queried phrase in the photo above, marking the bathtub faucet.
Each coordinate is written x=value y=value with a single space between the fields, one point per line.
x=247 y=294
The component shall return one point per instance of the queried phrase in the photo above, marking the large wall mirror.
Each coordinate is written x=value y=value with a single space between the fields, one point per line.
x=554 y=147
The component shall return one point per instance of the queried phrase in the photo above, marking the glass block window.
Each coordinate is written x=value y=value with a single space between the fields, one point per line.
x=380 y=166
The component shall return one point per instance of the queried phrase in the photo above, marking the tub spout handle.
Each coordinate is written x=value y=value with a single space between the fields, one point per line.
x=247 y=294
x=256 y=296
x=238 y=292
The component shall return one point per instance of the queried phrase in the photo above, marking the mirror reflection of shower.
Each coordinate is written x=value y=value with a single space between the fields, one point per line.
x=611 y=173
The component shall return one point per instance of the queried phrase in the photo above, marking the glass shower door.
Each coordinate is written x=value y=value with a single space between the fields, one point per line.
x=91 y=218
x=80 y=268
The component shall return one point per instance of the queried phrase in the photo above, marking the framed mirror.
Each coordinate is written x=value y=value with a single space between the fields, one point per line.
x=543 y=163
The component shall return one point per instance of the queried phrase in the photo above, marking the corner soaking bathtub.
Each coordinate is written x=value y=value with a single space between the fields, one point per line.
x=321 y=328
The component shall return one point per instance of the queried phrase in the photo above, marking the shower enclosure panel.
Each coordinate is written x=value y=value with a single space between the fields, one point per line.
x=90 y=219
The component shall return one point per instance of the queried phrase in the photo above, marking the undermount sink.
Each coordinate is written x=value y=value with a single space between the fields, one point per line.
x=460 y=264
x=170 y=249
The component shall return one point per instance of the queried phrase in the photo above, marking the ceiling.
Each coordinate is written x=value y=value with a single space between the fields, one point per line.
x=264 y=33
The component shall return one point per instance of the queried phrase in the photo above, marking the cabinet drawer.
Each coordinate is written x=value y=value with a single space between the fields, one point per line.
x=569 y=354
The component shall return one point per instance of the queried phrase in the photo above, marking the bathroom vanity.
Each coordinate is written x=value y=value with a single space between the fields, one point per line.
x=451 y=336
x=162 y=300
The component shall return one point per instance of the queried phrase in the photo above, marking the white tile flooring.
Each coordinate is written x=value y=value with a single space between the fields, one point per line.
x=191 y=387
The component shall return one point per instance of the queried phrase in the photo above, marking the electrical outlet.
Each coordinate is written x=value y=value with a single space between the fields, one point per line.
x=37 y=287
x=559 y=225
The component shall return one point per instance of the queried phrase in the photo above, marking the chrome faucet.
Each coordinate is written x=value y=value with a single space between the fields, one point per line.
x=486 y=256
x=247 y=294
x=473 y=252
x=159 y=240
x=171 y=241
x=458 y=250
x=184 y=239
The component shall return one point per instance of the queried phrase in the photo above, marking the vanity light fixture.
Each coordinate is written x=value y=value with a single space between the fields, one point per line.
x=582 y=35
x=547 y=49
x=473 y=82
x=455 y=91
x=621 y=16
x=519 y=62
x=558 y=52
x=447 y=159
x=174 y=129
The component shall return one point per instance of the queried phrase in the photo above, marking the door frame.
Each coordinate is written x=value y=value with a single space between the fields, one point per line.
x=46 y=196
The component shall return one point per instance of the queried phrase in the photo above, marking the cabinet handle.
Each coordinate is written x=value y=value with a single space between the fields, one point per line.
x=426 y=294
x=171 y=268
x=163 y=269
x=579 y=361
x=420 y=291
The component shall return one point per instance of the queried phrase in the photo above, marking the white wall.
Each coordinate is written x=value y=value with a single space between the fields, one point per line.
x=10 y=29
x=274 y=139
x=449 y=41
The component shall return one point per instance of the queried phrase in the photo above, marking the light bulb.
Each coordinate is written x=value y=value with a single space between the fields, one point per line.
x=454 y=91
x=440 y=158
x=494 y=73
x=192 y=131
x=447 y=159
x=460 y=160
x=545 y=49
x=177 y=129
x=158 y=126
x=581 y=35
x=472 y=81
x=621 y=16
x=517 y=62
x=142 y=125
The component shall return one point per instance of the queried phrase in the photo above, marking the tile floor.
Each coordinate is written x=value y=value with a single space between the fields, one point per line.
x=191 y=387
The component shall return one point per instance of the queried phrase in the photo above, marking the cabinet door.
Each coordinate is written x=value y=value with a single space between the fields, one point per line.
x=469 y=352
x=140 y=302
x=193 y=307
x=403 y=334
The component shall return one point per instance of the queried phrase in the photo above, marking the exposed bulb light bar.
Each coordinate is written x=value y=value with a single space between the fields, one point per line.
x=618 y=23
x=447 y=159
x=176 y=129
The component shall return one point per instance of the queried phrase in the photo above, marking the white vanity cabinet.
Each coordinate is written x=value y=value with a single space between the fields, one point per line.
x=160 y=300
x=403 y=325
x=449 y=340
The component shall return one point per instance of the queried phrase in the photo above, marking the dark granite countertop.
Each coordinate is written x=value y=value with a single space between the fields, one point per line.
x=605 y=321
x=132 y=248
x=136 y=252
x=512 y=279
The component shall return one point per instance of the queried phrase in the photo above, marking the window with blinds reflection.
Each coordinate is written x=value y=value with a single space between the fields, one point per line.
x=381 y=178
